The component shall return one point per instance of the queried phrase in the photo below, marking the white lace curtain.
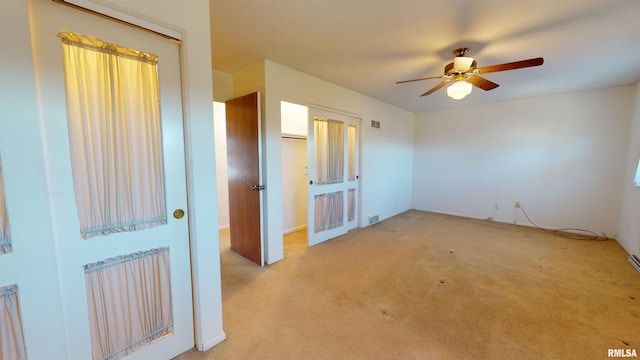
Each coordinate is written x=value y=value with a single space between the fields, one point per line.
x=115 y=135
x=351 y=204
x=328 y=211
x=11 y=338
x=328 y=151
x=351 y=144
x=129 y=301
x=351 y=148
x=5 y=239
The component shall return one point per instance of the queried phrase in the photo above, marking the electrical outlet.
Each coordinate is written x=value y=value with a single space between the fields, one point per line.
x=516 y=205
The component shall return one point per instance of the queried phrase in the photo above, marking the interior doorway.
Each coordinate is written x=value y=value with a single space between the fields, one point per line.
x=295 y=150
x=294 y=173
x=220 y=132
x=320 y=167
x=293 y=135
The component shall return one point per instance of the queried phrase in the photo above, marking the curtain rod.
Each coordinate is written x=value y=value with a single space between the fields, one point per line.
x=289 y=136
x=109 y=17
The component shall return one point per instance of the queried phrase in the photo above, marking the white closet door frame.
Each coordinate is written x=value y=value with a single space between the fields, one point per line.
x=315 y=189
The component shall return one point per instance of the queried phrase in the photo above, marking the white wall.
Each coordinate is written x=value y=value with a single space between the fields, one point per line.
x=629 y=229
x=294 y=184
x=294 y=128
x=32 y=264
x=563 y=157
x=222 y=91
x=222 y=86
x=294 y=119
x=222 y=179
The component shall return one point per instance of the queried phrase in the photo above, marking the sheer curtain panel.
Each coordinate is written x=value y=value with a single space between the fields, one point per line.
x=11 y=338
x=351 y=154
x=329 y=211
x=328 y=156
x=5 y=240
x=129 y=301
x=115 y=135
x=328 y=151
x=351 y=204
x=351 y=143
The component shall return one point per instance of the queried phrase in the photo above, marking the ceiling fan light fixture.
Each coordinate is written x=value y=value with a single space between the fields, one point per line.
x=459 y=90
x=463 y=68
x=462 y=63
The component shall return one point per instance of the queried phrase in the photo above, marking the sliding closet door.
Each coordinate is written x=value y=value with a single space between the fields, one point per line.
x=119 y=204
x=333 y=175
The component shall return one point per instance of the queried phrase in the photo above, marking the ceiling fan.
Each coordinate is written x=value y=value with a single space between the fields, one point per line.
x=464 y=74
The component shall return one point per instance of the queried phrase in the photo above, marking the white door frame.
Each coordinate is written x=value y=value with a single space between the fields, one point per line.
x=313 y=189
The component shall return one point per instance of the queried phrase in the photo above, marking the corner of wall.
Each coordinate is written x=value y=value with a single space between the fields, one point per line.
x=222 y=86
x=249 y=79
x=629 y=228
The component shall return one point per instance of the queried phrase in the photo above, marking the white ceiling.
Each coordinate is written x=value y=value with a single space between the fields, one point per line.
x=368 y=45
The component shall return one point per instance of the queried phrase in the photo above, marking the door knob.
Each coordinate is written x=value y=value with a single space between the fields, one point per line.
x=257 y=187
x=178 y=213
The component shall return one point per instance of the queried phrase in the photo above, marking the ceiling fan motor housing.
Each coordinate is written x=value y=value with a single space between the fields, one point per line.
x=460 y=52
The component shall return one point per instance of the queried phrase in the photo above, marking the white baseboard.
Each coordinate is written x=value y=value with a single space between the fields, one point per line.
x=294 y=229
x=212 y=342
x=624 y=246
x=274 y=259
x=635 y=261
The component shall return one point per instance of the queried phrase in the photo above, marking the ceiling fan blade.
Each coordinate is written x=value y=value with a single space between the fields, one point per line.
x=510 y=66
x=433 y=89
x=427 y=78
x=481 y=82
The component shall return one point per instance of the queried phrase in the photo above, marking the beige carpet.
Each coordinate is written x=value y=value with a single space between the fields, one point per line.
x=429 y=286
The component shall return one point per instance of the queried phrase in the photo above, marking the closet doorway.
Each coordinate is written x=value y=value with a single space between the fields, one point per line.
x=294 y=129
x=320 y=166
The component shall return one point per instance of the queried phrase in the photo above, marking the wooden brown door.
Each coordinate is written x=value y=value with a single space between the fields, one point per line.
x=244 y=171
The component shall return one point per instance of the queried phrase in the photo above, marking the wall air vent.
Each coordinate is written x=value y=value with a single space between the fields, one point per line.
x=375 y=124
x=633 y=259
x=373 y=219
